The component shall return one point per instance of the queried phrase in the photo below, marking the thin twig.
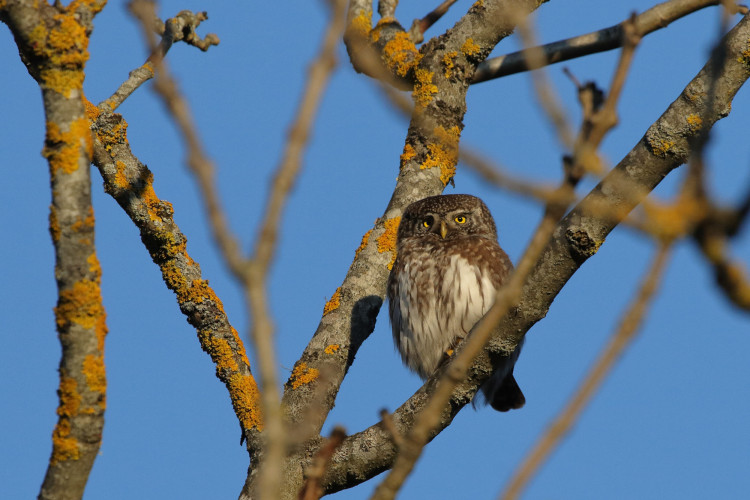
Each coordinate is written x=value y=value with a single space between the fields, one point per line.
x=320 y=72
x=655 y=18
x=544 y=90
x=629 y=324
x=197 y=160
x=420 y=26
x=313 y=489
x=180 y=28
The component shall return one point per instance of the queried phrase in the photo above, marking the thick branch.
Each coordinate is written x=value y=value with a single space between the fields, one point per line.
x=666 y=145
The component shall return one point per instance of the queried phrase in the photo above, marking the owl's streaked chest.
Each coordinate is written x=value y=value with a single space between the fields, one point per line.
x=433 y=305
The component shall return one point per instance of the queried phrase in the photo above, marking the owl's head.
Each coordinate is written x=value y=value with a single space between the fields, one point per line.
x=447 y=217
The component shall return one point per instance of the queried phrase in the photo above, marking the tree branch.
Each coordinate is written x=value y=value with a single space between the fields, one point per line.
x=665 y=146
x=655 y=18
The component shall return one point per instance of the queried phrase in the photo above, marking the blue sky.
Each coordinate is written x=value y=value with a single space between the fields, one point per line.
x=670 y=422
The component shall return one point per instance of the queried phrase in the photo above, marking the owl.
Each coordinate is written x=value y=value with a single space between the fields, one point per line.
x=448 y=269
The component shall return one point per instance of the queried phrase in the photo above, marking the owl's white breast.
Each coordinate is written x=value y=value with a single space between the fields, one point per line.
x=436 y=308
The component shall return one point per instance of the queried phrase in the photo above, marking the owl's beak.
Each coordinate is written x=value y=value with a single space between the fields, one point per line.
x=443 y=229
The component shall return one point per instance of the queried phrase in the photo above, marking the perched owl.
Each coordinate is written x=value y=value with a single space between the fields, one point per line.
x=448 y=269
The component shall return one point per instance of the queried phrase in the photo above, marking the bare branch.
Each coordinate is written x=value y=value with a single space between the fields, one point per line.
x=255 y=281
x=657 y=17
x=566 y=419
x=179 y=28
x=313 y=489
x=420 y=26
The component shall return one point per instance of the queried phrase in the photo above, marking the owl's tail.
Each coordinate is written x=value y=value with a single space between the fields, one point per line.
x=504 y=396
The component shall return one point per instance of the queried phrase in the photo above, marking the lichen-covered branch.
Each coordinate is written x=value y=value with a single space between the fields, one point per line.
x=655 y=18
x=53 y=43
x=130 y=183
x=666 y=145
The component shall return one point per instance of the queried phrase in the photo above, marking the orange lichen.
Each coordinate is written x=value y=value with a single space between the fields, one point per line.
x=114 y=135
x=387 y=240
x=64 y=446
x=62 y=149
x=69 y=42
x=81 y=304
x=96 y=375
x=92 y=112
x=400 y=54
x=334 y=303
x=85 y=224
x=245 y=397
x=302 y=375
x=662 y=148
x=449 y=61
x=424 y=89
x=70 y=398
x=469 y=48
x=331 y=349
x=407 y=155
x=220 y=351
x=361 y=23
x=54 y=224
x=363 y=244
x=444 y=153
x=694 y=122
x=121 y=180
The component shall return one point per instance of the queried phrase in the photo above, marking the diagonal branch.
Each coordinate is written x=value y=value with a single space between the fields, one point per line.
x=619 y=342
x=655 y=18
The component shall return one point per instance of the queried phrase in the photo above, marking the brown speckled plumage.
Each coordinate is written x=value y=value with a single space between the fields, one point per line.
x=448 y=269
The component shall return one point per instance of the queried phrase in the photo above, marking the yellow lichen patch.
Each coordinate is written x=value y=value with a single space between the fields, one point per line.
x=121 y=180
x=85 y=224
x=469 y=48
x=92 y=112
x=334 y=303
x=64 y=446
x=424 y=89
x=245 y=397
x=361 y=24
x=662 y=148
x=443 y=154
x=81 y=304
x=114 y=135
x=70 y=398
x=54 y=224
x=694 y=122
x=331 y=349
x=68 y=41
x=387 y=240
x=363 y=244
x=62 y=149
x=219 y=349
x=400 y=54
x=240 y=346
x=302 y=375
x=96 y=375
x=449 y=62
x=407 y=155
x=173 y=276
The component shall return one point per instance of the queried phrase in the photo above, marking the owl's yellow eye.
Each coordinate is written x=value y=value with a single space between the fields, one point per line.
x=426 y=224
x=460 y=219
